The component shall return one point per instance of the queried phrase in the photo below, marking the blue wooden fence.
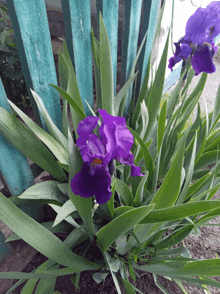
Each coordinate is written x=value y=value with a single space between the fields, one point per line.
x=30 y=24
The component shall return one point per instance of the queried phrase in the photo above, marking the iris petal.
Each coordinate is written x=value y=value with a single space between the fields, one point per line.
x=118 y=139
x=85 y=127
x=202 y=60
x=136 y=171
x=183 y=50
x=196 y=27
x=186 y=50
x=115 y=143
x=114 y=133
x=199 y=25
x=201 y=28
x=173 y=61
x=87 y=185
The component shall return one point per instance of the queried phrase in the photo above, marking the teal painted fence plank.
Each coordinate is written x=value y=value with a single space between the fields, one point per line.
x=77 y=18
x=151 y=10
x=14 y=171
x=14 y=168
x=68 y=29
x=13 y=165
x=32 y=35
x=132 y=14
x=109 y=11
x=5 y=248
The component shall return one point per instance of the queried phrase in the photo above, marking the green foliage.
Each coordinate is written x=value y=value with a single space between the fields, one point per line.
x=146 y=216
x=10 y=66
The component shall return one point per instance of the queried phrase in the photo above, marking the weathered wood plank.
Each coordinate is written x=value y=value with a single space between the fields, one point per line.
x=77 y=18
x=13 y=165
x=14 y=170
x=132 y=15
x=32 y=35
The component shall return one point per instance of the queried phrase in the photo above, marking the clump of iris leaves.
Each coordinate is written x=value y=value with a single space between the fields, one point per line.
x=138 y=228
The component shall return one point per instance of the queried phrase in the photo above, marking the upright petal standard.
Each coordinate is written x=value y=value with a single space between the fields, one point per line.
x=115 y=142
x=198 y=43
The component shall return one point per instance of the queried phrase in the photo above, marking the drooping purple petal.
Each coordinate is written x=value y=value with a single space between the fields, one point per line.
x=129 y=160
x=97 y=184
x=183 y=50
x=173 y=61
x=202 y=60
x=136 y=171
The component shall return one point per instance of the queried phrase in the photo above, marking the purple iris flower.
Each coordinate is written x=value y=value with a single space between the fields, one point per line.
x=201 y=29
x=115 y=142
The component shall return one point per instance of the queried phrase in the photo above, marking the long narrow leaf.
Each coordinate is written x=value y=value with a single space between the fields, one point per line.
x=28 y=144
x=40 y=238
x=216 y=111
x=45 y=191
x=63 y=74
x=72 y=90
x=140 y=191
x=212 y=142
x=115 y=280
x=189 y=174
x=161 y=125
x=53 y=129
x=123 y=92
x=66 y=210
x=74 y=238
x=209 y=267
x=117 y=227
x=96 y=63
x=147 y=156
x=61 y=228
x=154 y=98
x=106 y=71
x=55 y=147
x=206 y=159
x=123 y=190
x=196 y=93
x=70 y=101
x=180 y=211
x=168 y=192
